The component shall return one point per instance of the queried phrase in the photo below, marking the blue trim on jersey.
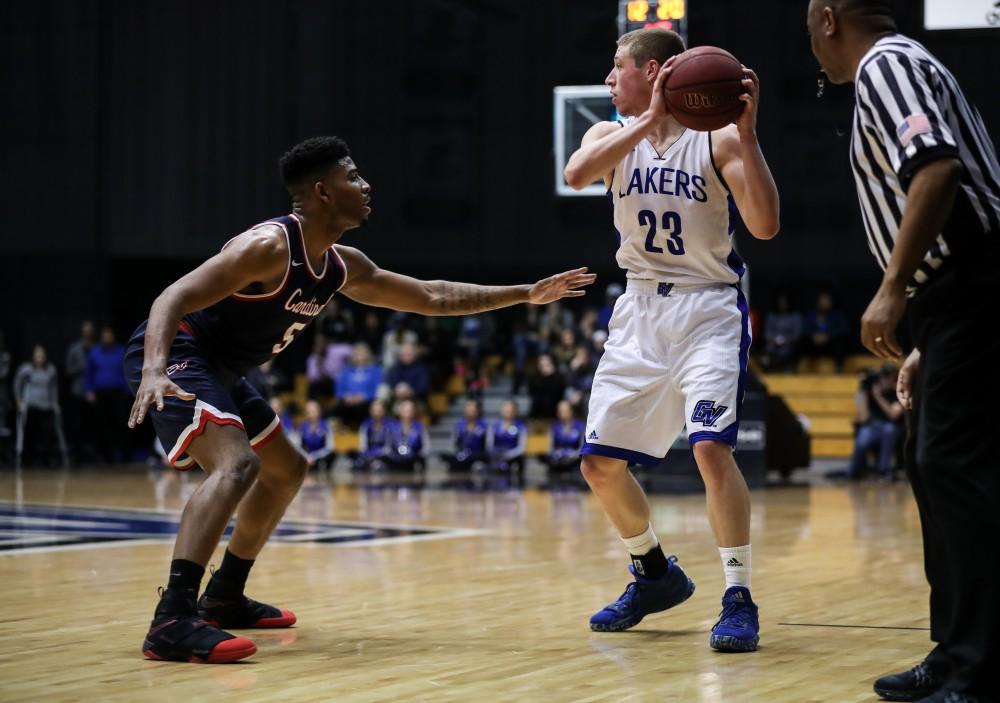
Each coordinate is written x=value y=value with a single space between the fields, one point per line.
x=619 y=453
x=736 y=263
x=731 y=433
x=733 y=214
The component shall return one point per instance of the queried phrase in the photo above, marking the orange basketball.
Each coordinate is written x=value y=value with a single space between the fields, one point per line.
x=704 y=88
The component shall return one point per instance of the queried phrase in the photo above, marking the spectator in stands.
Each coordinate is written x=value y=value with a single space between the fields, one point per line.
x=79 y=427
x=474 y=336
x=507 y=441
x=552 y=320
x=579 y=379
x=825 y=333
x=107 y=392
x=315 y=437
x=321 y=384
x=357 y=385
x=336 y=323
x=563 y=351
x=611 y=294
x=375 y=439
x=524 y=345
x=36 y=392
x=588 y=323
x=397 y=334
x=879 y=423
x=371 y=332
x=411 y=443
x=438 y=350
x=566 y=439
x=597 y=342
x=546 y=388
x=469 y=440
x=782 y=336
x=411 y=371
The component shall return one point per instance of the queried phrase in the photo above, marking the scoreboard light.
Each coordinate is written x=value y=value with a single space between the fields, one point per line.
x=639 y=14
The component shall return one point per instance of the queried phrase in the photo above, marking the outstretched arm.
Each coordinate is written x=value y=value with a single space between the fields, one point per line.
x=738 y=156
x=368 y=284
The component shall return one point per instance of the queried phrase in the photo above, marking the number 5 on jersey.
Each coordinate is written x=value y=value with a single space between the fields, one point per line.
x=293 y=329
x=670 y=225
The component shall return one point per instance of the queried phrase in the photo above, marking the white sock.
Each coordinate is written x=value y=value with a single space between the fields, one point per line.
x=736 y=564
x=642 y=543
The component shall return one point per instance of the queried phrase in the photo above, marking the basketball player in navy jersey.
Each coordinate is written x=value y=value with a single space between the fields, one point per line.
x=679 y=337
x=239 y=309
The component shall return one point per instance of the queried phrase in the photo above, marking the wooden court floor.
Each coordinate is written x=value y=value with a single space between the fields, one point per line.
x=447 y=594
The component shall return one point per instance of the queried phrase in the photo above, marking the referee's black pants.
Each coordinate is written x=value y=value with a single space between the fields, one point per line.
x=954 y=468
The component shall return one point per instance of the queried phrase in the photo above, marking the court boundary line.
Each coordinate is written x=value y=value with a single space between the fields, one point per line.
x=859 y=627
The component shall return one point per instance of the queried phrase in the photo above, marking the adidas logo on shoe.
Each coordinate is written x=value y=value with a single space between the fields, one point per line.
x=592 y=435
x=738 y=596
x=734 y=562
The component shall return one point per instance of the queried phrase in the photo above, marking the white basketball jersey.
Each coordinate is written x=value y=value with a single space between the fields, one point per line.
x=674 y=215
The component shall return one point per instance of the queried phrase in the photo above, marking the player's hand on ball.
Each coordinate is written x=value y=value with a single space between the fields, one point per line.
x=746 y=123
x=563 y=285
x=658 y=102
x=155 y=386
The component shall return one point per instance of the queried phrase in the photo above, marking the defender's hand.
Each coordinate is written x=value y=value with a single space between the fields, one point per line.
x=562 y=285
x=746 y=123
x=155 y=386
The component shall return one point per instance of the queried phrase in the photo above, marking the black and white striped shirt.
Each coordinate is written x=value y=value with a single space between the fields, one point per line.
x=910 y=110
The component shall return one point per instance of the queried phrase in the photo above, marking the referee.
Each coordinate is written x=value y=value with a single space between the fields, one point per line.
x=928 y=183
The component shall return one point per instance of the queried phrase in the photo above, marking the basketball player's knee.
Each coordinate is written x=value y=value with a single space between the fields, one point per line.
x=714 y=459
x=596 y=473
x=242 y=470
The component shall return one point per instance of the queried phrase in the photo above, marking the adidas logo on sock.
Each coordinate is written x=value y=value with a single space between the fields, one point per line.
x=734 y=562
x=592 y=435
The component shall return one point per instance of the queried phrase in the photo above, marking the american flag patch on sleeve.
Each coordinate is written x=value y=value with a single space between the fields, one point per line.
x=911 y=127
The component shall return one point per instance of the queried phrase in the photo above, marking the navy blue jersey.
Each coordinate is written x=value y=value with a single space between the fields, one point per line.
x=314 y=437
x=410 y=442
x=246 y=330
x=377 y=438
x=472 y=440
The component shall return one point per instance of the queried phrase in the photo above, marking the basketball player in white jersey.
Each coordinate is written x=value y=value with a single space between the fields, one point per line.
x=680 y=335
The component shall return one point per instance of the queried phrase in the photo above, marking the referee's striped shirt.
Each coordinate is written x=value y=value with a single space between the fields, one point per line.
x=910 y=110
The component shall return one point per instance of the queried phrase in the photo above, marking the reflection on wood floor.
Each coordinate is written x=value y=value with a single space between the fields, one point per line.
x=464 y=592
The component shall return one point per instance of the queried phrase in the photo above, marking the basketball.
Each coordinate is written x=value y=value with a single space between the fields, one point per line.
x=703 y=90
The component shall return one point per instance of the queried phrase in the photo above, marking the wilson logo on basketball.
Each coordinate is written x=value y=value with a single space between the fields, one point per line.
x=700 y=101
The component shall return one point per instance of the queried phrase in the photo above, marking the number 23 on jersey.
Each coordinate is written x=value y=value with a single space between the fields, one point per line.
x=670 y=225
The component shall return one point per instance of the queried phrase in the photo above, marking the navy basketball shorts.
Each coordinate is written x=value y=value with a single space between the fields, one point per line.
x=221 y=396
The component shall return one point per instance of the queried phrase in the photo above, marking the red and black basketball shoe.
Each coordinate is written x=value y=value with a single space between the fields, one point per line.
x=188 y=638
x=242 y=613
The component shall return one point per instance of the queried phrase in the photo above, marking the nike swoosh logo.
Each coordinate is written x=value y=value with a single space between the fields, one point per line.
x=296 y=263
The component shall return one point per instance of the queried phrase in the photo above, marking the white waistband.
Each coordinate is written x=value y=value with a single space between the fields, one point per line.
x=646 y=286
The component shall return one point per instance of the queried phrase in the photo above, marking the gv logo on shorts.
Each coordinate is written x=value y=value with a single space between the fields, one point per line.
x=706 y=412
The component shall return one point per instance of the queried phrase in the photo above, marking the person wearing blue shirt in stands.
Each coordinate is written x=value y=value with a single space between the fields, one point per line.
x=106 y=389
x=375 y=439
x=470 y=439
x=411 y=442
x=316 y=437
x=357 y=385
x=508 y=438
x=566 y=439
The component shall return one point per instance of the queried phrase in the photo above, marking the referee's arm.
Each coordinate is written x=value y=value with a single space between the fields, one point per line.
x=899 y=95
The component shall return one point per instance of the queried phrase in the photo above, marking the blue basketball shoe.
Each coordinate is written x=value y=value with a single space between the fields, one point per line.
x=644 y=596
x=738 y=629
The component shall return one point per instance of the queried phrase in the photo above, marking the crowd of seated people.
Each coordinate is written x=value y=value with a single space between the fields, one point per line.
x=793 y=339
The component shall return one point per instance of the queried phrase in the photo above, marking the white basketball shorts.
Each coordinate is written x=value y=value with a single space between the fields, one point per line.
x=674 y=356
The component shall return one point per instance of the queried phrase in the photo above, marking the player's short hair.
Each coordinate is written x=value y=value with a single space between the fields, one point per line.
x=651 y=43
x=311 y=160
